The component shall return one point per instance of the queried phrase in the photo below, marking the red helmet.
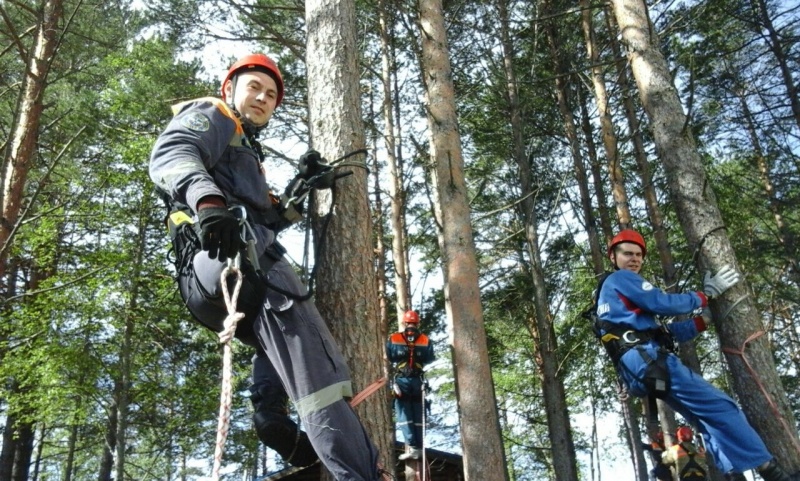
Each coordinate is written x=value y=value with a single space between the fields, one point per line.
x=411 y=317
x=260 y=62
x=628 y=235
x=684 y=433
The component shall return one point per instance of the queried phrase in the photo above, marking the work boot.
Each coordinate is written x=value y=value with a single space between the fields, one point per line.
x=413 y=453
x=773 y=472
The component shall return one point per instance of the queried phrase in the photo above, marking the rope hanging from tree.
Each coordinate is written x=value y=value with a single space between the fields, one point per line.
x=225 y=337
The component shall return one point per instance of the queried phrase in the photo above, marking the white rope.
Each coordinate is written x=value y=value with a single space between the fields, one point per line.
x=225 y=338
x=424 y=421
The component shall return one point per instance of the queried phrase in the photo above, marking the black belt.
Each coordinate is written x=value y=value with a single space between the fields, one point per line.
x=619 y=339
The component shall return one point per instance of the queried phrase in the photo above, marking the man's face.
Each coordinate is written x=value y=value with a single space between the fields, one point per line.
x=411 y=330
x=255 y=96
x=628 y=256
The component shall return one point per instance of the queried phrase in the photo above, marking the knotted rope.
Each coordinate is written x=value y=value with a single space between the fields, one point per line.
x=770 y=401
x=225 y=338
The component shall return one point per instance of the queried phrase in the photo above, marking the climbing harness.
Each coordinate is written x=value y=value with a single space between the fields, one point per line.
x=617 y=340
x=692 y=470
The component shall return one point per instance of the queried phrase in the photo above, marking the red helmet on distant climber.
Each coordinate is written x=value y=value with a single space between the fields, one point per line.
x=684 y=433
x=411 y=317
x=627 y=235
x=258 y=62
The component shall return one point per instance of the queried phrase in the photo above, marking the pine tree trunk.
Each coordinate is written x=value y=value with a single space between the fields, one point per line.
x=24 y=451
x=785 y=235
x=380 y=247
x=565 y=107
x=346 y=294
x=8 y=452
x=546 y=347
x=603 y=214
x=396 y=190
x=480 y=427
x=107 y=461
x=606 y=124
x=775 y=45
x=737 y=322
x=20 y=147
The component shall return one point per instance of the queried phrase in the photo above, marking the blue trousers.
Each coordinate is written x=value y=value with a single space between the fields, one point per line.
x=735 y=445
x=409 y=419
x=408 y=408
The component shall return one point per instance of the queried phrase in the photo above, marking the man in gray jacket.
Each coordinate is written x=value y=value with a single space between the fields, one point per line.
x=208 y=165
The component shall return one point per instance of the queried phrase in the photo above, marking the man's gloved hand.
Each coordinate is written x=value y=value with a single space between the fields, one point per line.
x=726 y=278
x=219 y=232
x=315 y=170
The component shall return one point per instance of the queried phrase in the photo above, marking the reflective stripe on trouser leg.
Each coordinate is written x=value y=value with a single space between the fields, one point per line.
x=317 y=379
x=409 y=420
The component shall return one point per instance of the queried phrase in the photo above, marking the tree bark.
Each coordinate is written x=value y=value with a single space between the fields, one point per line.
x=480 y=427
x=346 y=294
x=738 y=325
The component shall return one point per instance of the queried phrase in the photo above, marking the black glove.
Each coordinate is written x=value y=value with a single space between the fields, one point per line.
x=315 y=170
x=219 y=232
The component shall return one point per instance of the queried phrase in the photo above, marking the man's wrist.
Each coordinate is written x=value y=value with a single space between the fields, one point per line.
x=210 y=201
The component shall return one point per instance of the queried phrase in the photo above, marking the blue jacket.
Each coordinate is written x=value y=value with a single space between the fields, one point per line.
x=626 y=298
x=408 y=363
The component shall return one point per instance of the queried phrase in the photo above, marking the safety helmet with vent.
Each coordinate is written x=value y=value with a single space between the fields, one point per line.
x=411 y=317
x=628 y=235
x=258 y=62
x=684 y=433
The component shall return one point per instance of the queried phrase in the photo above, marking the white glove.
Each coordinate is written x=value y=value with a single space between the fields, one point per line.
x=726 y=278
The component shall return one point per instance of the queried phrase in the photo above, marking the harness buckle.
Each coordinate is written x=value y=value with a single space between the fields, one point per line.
x=630 y=337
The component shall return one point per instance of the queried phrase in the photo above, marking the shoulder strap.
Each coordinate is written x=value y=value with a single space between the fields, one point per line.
x=692 y=469
x=600 y=283
x=590 y=313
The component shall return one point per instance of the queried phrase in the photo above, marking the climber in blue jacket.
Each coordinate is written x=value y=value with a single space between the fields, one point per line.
x=641 y=351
